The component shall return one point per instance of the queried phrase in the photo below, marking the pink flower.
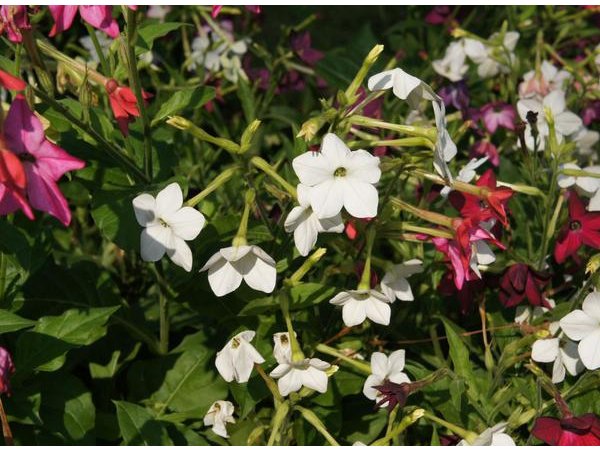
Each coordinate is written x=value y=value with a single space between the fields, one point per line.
x=438 y=15
x=485 y=148
x=498 y=114
x=43 y=161
x=98 y=16
x=12 y=183
x=7 y=368
x=301 y=45
x=7 y=81
x=13 y=19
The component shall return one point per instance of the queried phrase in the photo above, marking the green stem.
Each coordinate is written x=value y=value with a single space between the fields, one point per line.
x=429 y=133
x=134 y=78
x=163 y=308
x=284 y=303
x=469 y=436
x=406 y=422
x=365 y=279
x=281 y=413
x=3 y=267
x=271 y=385
x=219 y=181
x=99 y=50
x=359 y=365
x=546 y=219
x=240 y=237
x=314 y=420
x=267 y=168
x=114 y=152
x=185 y=125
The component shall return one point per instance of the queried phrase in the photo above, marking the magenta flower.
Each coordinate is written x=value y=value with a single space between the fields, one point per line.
x=591 y=113
x=43 y=161
x=438 y=15
x=98 y=16
x=485 y=148
x=498 y=114
x=13 y=19
x=7 y=368
x=301 y=45
x=456 y=94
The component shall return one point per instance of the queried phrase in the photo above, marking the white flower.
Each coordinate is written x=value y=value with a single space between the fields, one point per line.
x=339 y=178
x=586 y=140
x=282 y=349
x=488 y=57
x=167 y=225
x=362 y=304
x=445 y=148
x=292 y=375
x=158 y=12
x=563 y=356
x=594 y=204
x=104 y=41
x=565 y=122
x=236 y=360
x=550 y=79
x=494 y=436
x=466 y=174
x=306 y=225
x=583 y=325
x=384 y=368
x=219 y=414
x=452 y=65
x=395 y=284
x=230 y=265
x=525 y=314
x=404 y=86
x=587 y=184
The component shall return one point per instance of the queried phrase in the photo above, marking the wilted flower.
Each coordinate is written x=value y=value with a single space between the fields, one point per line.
x=229 y=266
x=236 y=360
x=218 y=416
x=167 y=225
x=583 y=325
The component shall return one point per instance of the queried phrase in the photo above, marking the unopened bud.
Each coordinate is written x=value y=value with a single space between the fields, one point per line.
x=248 y=135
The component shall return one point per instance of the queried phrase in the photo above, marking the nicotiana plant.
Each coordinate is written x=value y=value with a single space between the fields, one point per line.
x=218 y=228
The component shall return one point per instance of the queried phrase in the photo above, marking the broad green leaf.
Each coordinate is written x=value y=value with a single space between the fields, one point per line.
x=139 y=427
x=246 y=97
x=11 y=322
x=77 y=326
x=149 y=33
x=301 y=296
x=192 y=98
x=459 y=354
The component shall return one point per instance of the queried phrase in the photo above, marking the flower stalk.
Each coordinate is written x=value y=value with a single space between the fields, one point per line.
x=215 y=184
x=185 y=125
x=314 y=420
x=268 y=169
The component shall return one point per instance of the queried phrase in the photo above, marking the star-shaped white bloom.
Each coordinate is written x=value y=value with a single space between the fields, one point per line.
x=236 y=360
x=167 y=225
x=493 y=436
x=488 y=57
x=282 y=349
x=305 y=224
x=565 y=122
x=292 y=375
x=589 y=185
x=466 y=174
x=404 y=86
x=395 y=284
x=230 y=265
x=586 y=141
x=218 y=416
x=583 y=325
x=384 y=368
x=563 y=354
x=359 y=305
x=452 y=65
x=338 y=178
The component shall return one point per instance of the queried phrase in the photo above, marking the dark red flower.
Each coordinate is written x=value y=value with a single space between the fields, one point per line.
x=582 y=228
x=520 y=282
x=7 y=368
x=393 y=394
x=582 y=430
x=124 y=104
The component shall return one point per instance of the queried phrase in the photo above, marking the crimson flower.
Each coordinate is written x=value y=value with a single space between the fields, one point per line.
x=12 y=183
x=123 y=103
x=98 y=16
x=7 y=368
x=471 y=290
x=43 y=161
x=582 y=228
x=13 y=19
x=494 y=200
x=581 y=430
x=7 y=81
x=520 y=282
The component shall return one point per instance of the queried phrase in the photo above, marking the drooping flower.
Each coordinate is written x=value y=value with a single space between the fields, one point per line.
x=469 y=293
x=564 y=355
x=405 y=86
x=384 y=368
x=43 y=161
x=498 y=114
x=359 y=305
x=7 y=81
x=520 y=282
x=569 y=431
x=123 y=103
x=282 y=348
x=339 y=178
x=229 y=266
x=395 y=284
x=292 y=375
x=7 y=368
x=236 y=360
x=582 y=228
x=98 y=16
x=13 y=19
x=167 y=225
x=583 y=325
x=305 y=224
x=218 y=416
x=493 y=436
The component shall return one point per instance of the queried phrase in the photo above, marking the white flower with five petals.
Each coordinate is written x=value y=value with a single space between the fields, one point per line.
x=493 y=436
x=292 y=375
x=229 y=266
x=395 y=284
x=167 y=225
x=236 y=360
x=563 y=353
x=305 y=224
x=384 y=368
x=583 y=325
x=339 y=178
x=452 y=65
x=218 y=416
x=359 y=305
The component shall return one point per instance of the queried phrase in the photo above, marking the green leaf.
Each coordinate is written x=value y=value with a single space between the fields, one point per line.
x=301 y=296
x=459 y=354
x=77 y=326
x=113 y=213
x=149 y=33
x=194 y=97
x=11 y=322
x=246 y=97
x=138 y=426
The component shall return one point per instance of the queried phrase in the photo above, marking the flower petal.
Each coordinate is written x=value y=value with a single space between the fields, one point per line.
x=360 y=199
x=327 y=198
x=591 y=306
x=169 y=200
x=313 y=168
x=185 y=223
x=545 y=350
x=223 y=277
x=314 y=379
x=180 y=253
x=153 y=241
x=589 y=350
x=143 y=207
x=354 y=312
x=378 y=311
x=577 y=325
